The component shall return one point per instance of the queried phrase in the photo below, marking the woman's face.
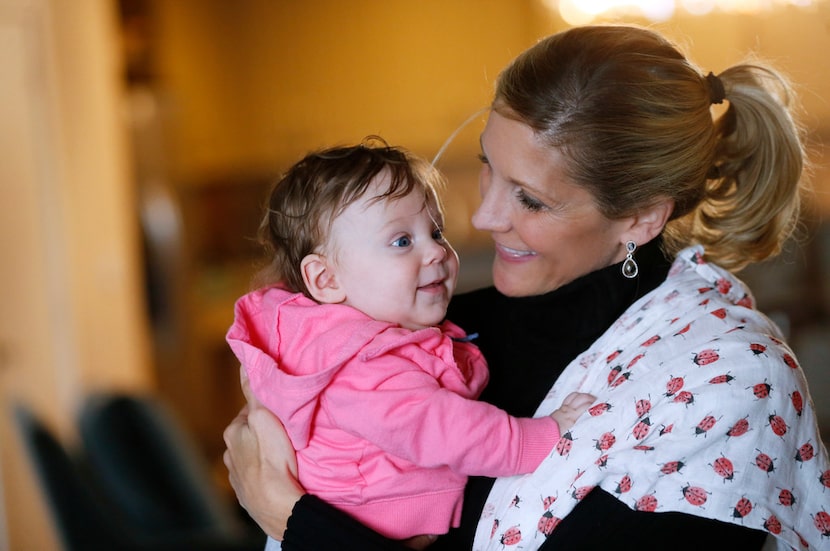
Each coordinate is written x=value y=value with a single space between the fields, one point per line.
x=547 y=231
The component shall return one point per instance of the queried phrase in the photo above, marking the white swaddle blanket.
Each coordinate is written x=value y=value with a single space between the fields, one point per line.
x=700 y=409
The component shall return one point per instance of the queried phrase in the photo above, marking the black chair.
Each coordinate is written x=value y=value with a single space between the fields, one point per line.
x=91 y=514
x=148 y=465
x=84 y=521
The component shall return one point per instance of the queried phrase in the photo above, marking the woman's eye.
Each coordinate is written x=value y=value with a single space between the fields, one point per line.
x=529 y=202
x=404 y=241
x=483 y=159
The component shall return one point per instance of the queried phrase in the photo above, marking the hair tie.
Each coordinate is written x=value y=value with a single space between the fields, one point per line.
x=716 y=91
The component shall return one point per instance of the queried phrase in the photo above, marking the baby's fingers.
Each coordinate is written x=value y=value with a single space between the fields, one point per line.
x=578 y=400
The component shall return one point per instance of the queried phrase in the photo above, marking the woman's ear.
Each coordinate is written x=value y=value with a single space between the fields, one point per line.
x=649 y=223
x=321 y=280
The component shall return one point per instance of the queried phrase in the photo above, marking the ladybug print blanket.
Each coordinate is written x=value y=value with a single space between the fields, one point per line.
x=701 y=408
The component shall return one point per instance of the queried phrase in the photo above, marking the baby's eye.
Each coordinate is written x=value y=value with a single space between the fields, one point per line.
x=438 y=234
x=403 y=241
x=483 y=159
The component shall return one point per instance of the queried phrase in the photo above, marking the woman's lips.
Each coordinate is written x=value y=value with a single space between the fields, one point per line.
x=513 y=254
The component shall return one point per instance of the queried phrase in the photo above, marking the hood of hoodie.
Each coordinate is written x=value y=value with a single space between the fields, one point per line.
x=292 y=347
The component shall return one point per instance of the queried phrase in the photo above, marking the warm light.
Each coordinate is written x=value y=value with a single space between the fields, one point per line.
x=657 y=10
x=698 y=7
x=580 y=12
x=573 y=12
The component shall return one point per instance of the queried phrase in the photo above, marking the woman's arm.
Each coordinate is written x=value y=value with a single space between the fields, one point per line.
x=601 y=521
x=262 y=466
x=315 y=525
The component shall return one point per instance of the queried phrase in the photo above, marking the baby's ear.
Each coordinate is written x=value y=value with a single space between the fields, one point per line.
x=320 y=279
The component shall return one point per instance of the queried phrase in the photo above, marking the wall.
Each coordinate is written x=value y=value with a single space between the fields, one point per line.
x=255 y=82
x=73 y=318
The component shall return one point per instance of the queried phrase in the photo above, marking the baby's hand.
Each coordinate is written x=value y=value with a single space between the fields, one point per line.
x=572 y=407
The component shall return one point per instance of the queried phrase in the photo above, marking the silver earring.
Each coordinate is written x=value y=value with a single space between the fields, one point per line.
x=629 y=267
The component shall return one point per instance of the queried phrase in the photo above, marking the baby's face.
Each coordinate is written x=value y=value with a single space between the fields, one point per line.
x=392 y=260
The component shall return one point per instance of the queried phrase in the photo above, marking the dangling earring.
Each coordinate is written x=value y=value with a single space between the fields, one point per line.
x=629 y=267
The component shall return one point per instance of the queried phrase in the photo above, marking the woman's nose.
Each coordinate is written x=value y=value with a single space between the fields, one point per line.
x=491 y=214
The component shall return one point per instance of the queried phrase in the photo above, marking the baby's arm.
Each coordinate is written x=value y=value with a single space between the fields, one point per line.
x=572 y=407
x=411 y=416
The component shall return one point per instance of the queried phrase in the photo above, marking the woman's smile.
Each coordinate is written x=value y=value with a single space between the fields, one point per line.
x=513 y=254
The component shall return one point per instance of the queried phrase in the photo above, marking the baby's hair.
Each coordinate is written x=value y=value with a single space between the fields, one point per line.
x=305 y=201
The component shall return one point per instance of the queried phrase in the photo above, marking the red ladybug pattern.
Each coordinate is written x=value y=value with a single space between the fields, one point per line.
x=821 y=520
x=605 y=441
x=671 y=467
x=805 y=453
x=764 y=462
x=724 y=468
x=563 y=447
x=579 y=493
x=772 y=525
x=740 y=428
x=599 y=409
x=673 y=429
x=650 y=341
x=641 y=429
x=624 y=485
x=757 y=348
x=646 y=503
x=684 y=397
x=720 y=379
x=777 y=424
x=742 y=508
x=762 y=390
x=797 y=401
x=674 y=385
x=720 y=313
x=547 y=523
x=706 y=357
x=694 y=495
x=512 y=536
x=706 y=424
x=786 y=498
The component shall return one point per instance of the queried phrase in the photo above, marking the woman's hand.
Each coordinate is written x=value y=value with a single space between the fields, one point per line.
x=262 y=465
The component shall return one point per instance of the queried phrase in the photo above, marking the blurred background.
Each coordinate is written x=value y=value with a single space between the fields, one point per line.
x=139 y=139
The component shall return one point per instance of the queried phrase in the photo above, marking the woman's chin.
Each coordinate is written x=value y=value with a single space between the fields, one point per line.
x=512 y=284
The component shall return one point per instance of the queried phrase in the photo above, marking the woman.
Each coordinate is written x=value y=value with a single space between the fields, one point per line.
x=601 y=160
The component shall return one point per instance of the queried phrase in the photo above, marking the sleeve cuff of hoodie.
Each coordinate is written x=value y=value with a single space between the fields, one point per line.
x=539 y=436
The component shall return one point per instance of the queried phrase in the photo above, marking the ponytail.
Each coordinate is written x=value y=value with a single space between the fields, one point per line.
x=752 y=194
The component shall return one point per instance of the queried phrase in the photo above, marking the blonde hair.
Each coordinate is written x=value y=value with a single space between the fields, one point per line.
x=305 y=201
x=632 y=117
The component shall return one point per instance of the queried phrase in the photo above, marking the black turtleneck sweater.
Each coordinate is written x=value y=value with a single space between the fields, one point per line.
x=527 y=343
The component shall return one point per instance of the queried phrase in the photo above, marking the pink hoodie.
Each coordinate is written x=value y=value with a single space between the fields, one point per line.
x=384 y=419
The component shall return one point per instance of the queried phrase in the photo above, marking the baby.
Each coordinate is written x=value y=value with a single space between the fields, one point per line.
x=346 y=342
